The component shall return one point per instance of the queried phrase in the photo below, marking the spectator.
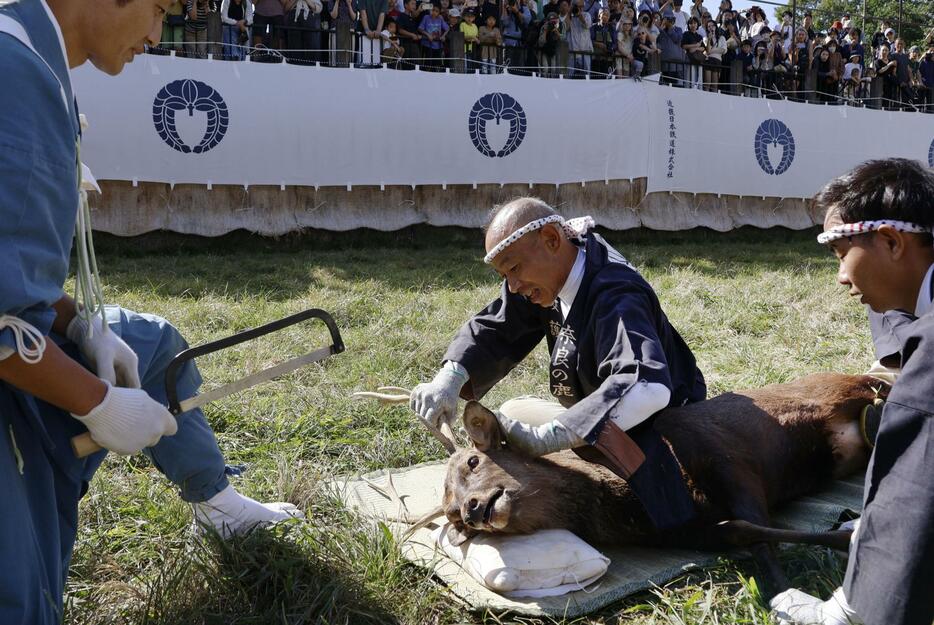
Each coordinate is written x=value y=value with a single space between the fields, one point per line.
x=733 y=43
x=697 y=11
x=268 y=21
x=173 y=26
x=392 y=45
x=886 y=68
x=372 y=15
x=603 y=38
x=215 y=28
x=625 y=40
x=724 y=13
x=836 y=59
x=787 y=32
x=714 y=49
x=453 y=16
x=549 y=39
x=759 y=23
x=490 y=40
x=342 y=16
x=761 y=65
x=669 y=45
x=693 y=45
x=488 y=8
x=302 y=18
x=889 y=39
x=746 y=57
x=646 y=23
x=902 y=71
x=809 y=26
x=642 y=48
x=827 y=78
x=433 y=28
x=926 y=69
x=237 y=16
x=853 y=78
x=516 y=17
x=617 y=10
x=471 y=36
x=681 y=17
x=852 y=45
x=196 y=28
x=407 y=24
x=802 y=54
x=579 y=44
x=702 y=24
x=879 y=37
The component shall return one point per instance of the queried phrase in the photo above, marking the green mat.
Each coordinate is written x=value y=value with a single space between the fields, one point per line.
x=632 y=569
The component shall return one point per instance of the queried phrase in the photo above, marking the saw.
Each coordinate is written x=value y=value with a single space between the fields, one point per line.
x=83 y=445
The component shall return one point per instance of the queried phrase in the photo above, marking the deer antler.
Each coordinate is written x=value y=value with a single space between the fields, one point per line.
x=393 y=395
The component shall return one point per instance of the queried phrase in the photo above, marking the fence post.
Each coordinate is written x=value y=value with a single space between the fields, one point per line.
x=875 y=93
x=344 y=44
x=563 y=58
x=736 y=78
x=810 y=85
x=653 y=65
x=456 y=46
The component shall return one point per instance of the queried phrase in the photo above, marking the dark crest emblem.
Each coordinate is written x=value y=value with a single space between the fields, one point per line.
x=775 y=133
x=190 y=95
x=496 y=107
x=931 y=155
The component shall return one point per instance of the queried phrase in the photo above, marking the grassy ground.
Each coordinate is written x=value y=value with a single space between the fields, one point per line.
x=756 y=307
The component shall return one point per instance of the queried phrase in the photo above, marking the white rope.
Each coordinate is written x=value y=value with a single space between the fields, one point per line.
x=862 y=227
x=23 y=330
x=573 y=228
x=89 y=296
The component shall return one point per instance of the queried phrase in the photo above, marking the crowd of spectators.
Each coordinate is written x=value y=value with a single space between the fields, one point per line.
x=691 y=45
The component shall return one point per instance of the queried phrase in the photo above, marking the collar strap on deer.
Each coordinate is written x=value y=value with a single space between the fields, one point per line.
x=573 y=228
x=862 y=227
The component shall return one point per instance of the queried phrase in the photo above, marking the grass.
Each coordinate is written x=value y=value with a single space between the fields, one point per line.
x=756 y=306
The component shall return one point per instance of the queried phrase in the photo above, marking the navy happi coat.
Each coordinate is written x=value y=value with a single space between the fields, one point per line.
x=615 y=336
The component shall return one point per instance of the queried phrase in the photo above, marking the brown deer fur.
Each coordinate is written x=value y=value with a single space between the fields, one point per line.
x=741 y=453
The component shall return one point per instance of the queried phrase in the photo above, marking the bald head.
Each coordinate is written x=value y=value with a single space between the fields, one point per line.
x=507 y=218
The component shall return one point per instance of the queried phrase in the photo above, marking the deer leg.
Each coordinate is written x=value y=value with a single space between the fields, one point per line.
x=749 y=505
x=740 y=533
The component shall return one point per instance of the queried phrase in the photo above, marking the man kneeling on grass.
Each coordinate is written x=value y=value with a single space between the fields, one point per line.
x=879 y=223
x=615 y=359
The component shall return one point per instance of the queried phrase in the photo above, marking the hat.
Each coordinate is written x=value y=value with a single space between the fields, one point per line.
x=668 y=14
x=855 y=55
x=746 y=42
x=425 y=6
x=552 y=15
x=455 y=12
x=889 y=30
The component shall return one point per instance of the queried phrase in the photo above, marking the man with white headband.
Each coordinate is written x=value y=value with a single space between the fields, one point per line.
x=615 y=358
x=879 y=223
x=66 y=369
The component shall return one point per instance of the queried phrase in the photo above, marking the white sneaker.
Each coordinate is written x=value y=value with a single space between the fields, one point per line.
x=232 y=514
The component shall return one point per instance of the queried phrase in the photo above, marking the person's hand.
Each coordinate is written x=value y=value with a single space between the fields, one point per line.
x=127 y=420
x=107 y=354
x=436 y=401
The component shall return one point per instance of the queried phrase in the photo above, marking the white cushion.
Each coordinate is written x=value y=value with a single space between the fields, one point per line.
x=546 y=563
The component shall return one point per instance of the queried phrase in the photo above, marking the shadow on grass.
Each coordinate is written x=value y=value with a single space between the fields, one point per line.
x=279 y=576
x=241 y=264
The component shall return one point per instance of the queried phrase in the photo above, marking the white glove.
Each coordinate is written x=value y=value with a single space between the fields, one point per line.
x=538 y=440
x=127 y=420
x=436 y=401
x=794 y=607
x=109 y=356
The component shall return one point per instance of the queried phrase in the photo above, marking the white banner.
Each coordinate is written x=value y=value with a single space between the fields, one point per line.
x=167 y=119
x=708 y=143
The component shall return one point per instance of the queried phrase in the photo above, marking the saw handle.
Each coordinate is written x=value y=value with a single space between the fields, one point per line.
x=83 y=445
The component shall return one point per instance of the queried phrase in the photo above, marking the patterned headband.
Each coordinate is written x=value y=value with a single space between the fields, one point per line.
x=573 y=228
x=862 y=227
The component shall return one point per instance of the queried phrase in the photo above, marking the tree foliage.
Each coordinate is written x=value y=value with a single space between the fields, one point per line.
x=917 y=16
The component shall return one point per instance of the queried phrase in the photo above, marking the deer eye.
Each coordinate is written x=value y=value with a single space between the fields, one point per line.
x=472 y=462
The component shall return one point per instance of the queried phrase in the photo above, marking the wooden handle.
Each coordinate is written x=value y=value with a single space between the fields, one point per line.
x=83 y=445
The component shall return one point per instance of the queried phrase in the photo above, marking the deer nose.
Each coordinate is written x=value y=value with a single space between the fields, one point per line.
x=474 y=512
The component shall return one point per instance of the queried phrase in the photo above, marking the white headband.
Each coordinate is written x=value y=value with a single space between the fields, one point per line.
x=862 y=227
x=573 y=228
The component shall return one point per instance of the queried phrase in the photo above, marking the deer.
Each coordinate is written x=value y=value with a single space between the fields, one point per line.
x=742 y=454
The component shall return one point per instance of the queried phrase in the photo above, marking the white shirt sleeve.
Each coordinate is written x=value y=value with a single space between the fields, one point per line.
x=642 y=401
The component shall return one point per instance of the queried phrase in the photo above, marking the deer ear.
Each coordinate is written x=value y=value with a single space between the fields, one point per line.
x=482 y=427
x=457 y=536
